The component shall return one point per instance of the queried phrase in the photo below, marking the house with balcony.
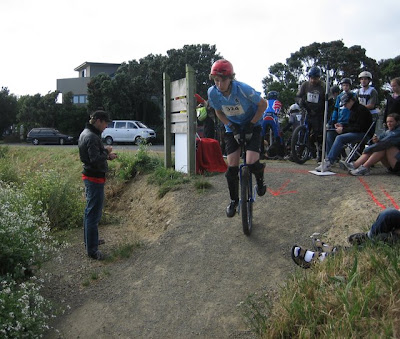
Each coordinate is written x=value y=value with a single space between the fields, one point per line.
x=86 y=71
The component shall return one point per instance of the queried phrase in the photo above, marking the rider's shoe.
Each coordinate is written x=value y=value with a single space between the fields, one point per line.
x=231 y=209
x=261 y=187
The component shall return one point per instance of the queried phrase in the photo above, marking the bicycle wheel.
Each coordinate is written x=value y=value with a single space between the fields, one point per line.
x=300 y=148
x=246 y=201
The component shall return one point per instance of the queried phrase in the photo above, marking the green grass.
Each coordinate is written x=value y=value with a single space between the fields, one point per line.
x=355 y=294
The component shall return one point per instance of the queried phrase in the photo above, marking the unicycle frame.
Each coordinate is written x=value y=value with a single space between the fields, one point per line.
x=247 y=196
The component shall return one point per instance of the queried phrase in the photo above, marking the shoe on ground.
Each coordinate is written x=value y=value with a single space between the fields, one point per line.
x=231 y=209
x=358 y=238
x=321 y=246
x=326 y=165
x=360 y=171
x=98 y=256
x=347 y=165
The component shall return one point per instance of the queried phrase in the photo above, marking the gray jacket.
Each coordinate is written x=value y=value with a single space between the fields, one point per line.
x=92 y=152
x=386 y=140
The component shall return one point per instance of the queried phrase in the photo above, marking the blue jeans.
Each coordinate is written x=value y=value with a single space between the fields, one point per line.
x=94 y=207
x=387 y=222
x=330 y=139
x=340 y=141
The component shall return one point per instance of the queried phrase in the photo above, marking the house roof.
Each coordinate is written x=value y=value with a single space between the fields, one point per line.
x=87 y=63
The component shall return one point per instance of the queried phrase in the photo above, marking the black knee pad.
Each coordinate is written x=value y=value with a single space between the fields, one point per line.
x=257 y=167
x=232 y=172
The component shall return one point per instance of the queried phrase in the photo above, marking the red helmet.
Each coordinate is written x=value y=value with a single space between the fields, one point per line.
x=222 y=67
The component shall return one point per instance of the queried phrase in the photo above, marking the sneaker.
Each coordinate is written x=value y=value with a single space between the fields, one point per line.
x=347 y=165
x=98 y=256
x=326 y=165
x=360 y=171
x=261 y=188
x=231 y=209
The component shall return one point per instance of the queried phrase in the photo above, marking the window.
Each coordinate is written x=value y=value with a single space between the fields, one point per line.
x=131 y=125
x=120 y=124
x=76 y=99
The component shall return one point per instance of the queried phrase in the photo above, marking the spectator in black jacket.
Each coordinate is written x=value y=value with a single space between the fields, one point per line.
x=359 y=122
x=94 y=157
x=393 y=100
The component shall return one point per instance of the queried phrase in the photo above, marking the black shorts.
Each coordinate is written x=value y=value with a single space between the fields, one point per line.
x=231 y=144
x=396 y=168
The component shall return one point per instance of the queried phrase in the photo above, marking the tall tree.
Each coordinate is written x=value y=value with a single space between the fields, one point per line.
x=8 y=109
x=341 y=60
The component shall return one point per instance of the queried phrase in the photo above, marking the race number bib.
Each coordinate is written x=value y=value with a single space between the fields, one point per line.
x=363 y=101
x=313 y=97
x=232 y=110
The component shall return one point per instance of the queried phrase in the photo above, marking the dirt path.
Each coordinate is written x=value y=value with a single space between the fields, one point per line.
x=196 y=264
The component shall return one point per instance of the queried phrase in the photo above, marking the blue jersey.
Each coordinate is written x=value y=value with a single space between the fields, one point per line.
x=340 y=114
x=240 y=106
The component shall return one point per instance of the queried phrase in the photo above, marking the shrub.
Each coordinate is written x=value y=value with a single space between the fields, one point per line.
x=51 y=192
x=24 y=235
x=24 y=313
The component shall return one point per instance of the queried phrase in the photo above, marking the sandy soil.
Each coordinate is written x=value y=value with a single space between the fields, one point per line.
x=195 y=265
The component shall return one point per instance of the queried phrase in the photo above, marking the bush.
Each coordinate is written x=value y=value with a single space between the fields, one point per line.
x=24 y=235
x=168 y=179
x=24 y=313
x=56 y=195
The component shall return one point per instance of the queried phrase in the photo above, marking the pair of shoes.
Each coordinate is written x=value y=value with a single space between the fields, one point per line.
x=101 y=242
x=306 y=258
x=358 y=238
x=326 y=166
x=320 y=246
x=360 y=171
x=231 y=209
x=98 y=256
x=347 y=165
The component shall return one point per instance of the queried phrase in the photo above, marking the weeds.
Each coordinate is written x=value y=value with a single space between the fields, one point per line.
x=353 y=294
x=167 y=179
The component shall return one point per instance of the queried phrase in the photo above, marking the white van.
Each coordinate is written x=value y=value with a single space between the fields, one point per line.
x=127 y=131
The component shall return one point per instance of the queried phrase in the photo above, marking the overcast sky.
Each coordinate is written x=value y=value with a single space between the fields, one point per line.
x=44 y=40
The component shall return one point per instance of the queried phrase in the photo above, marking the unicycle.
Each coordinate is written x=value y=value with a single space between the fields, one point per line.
x=247 y=196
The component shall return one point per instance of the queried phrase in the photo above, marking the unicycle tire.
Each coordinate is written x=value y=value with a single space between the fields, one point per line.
x=246 y=200
x=299 y=147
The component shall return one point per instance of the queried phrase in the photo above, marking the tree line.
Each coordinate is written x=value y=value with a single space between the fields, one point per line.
x=136 y=90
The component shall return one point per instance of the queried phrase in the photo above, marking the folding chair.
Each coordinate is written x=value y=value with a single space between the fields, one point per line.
x=354 y=149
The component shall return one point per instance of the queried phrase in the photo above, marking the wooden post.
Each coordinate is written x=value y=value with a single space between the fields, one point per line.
x=180 y=119
x=191 y=120
x=167 y=120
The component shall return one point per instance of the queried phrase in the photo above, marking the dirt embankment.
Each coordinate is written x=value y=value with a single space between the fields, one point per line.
x=196 y=265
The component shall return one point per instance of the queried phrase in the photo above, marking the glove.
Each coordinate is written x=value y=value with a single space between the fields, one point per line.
x=235 y=131
x=248 y=131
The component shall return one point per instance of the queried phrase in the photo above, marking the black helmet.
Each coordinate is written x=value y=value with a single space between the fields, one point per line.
x=346 y=81
x=335 y=89
x=314 y=72
x=272 y=95
x=346 y=97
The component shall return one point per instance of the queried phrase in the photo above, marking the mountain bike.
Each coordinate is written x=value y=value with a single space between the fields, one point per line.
x=247 y=191
x=300 y=144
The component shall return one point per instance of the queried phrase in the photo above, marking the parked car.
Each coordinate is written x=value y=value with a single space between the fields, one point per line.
x=48 y=136
x=127 y=131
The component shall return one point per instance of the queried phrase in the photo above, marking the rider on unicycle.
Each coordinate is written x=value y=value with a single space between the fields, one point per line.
x=239 y=107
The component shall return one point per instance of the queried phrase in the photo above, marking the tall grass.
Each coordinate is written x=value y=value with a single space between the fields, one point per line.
x=355 y=294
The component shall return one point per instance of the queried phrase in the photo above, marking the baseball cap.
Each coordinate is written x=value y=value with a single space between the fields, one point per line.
x=102 y=115
x=345 y=98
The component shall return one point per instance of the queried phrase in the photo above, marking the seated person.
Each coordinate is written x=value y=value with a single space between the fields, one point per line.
x=340 y=116
x=386 y=228
x=385 y=148
x=359 y=121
